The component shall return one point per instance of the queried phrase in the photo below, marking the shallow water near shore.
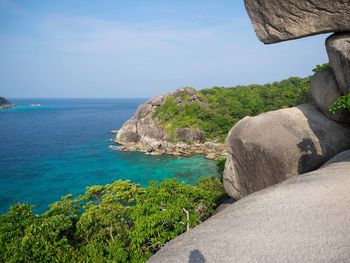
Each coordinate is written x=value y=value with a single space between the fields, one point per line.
x=62 y=147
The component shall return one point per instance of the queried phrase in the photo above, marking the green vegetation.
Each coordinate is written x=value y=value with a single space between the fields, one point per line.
x=219 y=109
x=321 y=67
x=342 y=104
x=119 y=222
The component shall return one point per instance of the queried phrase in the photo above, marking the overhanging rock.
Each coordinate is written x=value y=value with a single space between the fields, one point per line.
x=280 y=20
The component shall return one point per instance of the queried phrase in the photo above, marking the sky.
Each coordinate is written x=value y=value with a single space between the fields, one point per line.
x=138 y=48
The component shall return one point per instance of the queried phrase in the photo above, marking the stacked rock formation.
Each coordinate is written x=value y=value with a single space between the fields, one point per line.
x=274 y=146
x=144 y=133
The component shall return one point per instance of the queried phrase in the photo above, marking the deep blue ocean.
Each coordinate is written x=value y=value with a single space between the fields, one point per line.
x=62 y=147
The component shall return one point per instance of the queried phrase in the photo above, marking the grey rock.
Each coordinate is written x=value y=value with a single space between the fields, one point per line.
x=325 y=91
x=190 y=135
x=181 y=145
x=277 y=145
x=303 y=219
x=211 y=156
x=128 y=133
x=157 y=101
x=227 y=203
x=338 y=49
x=340 y=159
x=143 y=111
x=279 y=20
x=152 y=131
x=185 y=91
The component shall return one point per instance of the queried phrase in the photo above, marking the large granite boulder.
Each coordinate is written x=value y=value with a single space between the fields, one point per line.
x=277 y=145
x=279 y=20
x=325 y=91
x=338 y=49
x=303 y=219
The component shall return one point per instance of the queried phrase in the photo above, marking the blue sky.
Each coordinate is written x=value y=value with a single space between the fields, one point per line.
x=134 y=48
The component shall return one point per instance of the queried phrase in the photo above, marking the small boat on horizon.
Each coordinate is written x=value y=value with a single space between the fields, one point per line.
x=35 y=105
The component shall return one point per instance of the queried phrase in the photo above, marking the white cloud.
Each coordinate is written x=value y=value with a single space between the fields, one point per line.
x=96 y=54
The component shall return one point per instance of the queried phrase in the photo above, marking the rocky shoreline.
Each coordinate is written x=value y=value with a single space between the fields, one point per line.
x=210 y=150
x=144 y=133
x=5 y=104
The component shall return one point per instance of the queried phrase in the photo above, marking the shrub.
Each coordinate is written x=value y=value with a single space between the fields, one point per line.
x=119 y=222
x=222 y=107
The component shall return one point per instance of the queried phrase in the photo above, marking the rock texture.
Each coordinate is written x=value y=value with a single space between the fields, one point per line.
x=304 y=219
x=144 y=133
x=338 y=49
x=325 y=91
x=279 y=20
x=277 y=145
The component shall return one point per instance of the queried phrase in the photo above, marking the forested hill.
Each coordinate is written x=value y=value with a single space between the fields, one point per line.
x=218 y=109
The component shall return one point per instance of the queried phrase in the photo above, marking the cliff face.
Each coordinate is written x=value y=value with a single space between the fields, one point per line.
x=145 y=133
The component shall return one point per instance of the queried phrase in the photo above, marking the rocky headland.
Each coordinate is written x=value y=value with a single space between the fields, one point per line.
x=144 y=132
x=188 y=121
x=5 y=104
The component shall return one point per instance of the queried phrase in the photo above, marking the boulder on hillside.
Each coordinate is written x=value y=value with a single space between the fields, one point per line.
x=279 y=20
x=190 y=135
x=277 y=145
x=338 y=49
x=303 y=219
x=325 y=91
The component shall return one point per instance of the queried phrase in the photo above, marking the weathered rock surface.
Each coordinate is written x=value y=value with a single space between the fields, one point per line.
x=338 y=49
x=303 y=219
x=279 y=20
x=144 y=133
x=277 y=145
x=325 y=91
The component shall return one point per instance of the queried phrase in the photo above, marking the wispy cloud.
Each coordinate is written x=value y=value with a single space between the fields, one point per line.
x=59 y=51
x=85 y=34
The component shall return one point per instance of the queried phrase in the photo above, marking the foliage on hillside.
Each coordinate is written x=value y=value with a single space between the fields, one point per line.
x=120 y=222
x=222 y=107
x=342 y=104
x=321 y=67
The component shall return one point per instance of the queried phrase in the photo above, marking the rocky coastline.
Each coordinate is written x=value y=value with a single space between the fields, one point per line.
x=210 y=150
x=5 y=104
x=144 y=132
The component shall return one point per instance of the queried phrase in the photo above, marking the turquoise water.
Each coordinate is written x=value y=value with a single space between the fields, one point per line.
x=63 y=146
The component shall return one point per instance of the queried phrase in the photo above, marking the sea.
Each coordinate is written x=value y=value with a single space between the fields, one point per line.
x=65 y=145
